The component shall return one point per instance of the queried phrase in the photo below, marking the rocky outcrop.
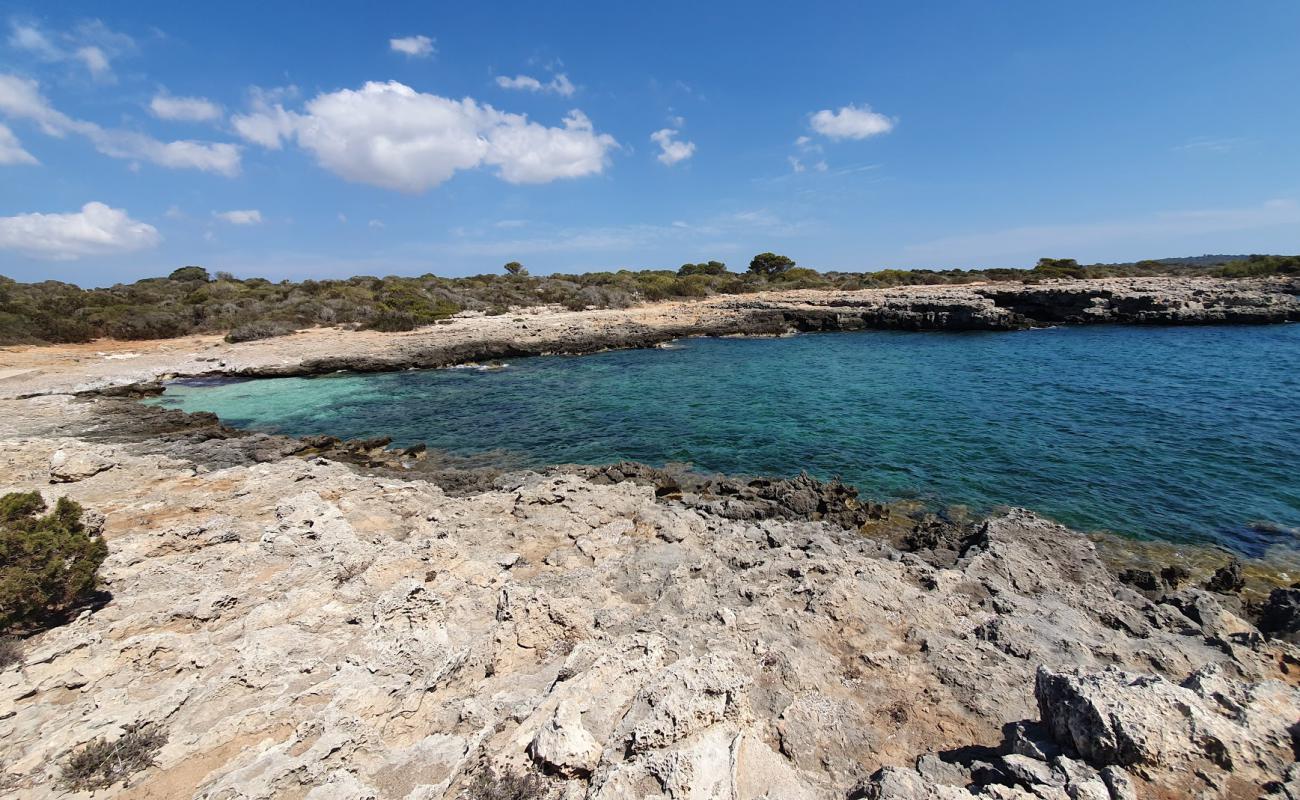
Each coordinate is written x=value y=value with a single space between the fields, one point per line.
x=1113 y=735
x=301 y=628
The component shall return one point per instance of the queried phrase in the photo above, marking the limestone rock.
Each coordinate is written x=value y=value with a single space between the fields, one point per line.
x=563 y=745
x=69 y=467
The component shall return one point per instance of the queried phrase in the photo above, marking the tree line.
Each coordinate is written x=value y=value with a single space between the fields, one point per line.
x=190 y=300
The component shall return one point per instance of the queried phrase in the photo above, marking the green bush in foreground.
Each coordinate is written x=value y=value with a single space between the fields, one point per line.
x=47 y=563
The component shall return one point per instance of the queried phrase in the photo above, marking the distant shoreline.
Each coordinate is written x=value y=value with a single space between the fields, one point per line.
x=115 y=365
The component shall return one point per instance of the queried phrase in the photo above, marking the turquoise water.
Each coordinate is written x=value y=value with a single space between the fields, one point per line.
x=1179 y=433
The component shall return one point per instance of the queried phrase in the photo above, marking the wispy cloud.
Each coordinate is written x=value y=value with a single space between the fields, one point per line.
x=1203 y=144
x=90 y=45
x=560 y=84
x=184 y=109
x=245 y=216
x=711 y=232
x=11 y=150
x=413 y=46
x=21 y=99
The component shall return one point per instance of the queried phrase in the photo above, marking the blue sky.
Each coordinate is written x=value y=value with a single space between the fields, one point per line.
x=332 y=139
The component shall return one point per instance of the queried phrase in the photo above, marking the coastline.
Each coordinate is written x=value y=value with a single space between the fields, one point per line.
x=105 y=365
x=307 y=624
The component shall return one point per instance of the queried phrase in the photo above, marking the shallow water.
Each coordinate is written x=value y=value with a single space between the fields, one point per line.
x=1188 y=434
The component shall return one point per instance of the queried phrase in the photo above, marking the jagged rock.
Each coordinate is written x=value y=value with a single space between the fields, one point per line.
x=1151 y=725
x=563 y=745
x=1140 y=579
x=1280 y=616
x=1227 y=579
x=69 y=467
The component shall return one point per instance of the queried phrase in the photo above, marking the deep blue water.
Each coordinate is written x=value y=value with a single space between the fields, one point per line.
x=1189 y=434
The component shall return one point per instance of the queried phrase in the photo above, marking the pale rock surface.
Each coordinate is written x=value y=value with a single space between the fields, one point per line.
x=77 y=465
x=302 y=629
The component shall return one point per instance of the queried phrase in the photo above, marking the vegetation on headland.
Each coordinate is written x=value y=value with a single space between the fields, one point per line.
x=190 y=300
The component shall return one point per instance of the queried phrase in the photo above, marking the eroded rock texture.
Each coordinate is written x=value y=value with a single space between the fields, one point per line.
x=304 y=630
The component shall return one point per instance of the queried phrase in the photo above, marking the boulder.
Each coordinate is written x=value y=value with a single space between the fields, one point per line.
x=562 y=745
x=77 y=465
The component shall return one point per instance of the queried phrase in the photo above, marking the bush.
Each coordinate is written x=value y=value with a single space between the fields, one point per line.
x=263 y=329
x=11 y=651
x=102 y=763
x=507 y=785
x=391 y=322
x=47 y=563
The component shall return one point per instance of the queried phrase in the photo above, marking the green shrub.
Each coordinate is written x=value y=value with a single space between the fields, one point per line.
x=47 y=563
x=391 y=322
x=263 y=329
x=102 y=763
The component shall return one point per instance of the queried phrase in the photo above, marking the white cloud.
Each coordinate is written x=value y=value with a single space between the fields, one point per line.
x=91 y=44
x=33 y=40
x=184 y=109
x=249 y=216
x=389 y=135
x=375 y=224
x=266 y=123
x=560 y=84
x=21 y=99
x=851 y=122
x=519 y=82
x=94 y=59
x=95 y=230
x=526 y=152
x=413 y=46
x=671 y=149
x=11 y=150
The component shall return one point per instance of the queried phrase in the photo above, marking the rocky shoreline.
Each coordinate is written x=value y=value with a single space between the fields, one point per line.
x=328 y=620
x=541 y=331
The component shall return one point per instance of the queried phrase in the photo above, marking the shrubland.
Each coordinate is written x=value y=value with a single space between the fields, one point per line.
x=192 y=301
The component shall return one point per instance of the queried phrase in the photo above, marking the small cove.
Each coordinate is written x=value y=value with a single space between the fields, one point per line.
x=1179 y=434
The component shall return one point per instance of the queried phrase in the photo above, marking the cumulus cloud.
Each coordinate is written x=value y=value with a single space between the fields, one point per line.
x=11 y=150
x=389 y=135
x=851 y=122
x=248 y=216
x=413 y=46
x=184 y=109
x=560 y=84
x=21 y=99
x=91 y=44
x=95 y=230
x=671 y=149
